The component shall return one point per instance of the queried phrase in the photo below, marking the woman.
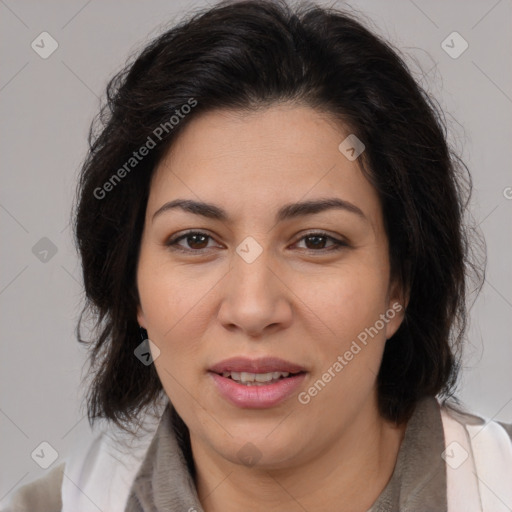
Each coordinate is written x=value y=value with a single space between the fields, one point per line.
x=270 y=223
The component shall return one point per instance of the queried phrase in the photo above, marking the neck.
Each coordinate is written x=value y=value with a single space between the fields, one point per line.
x=347 y=475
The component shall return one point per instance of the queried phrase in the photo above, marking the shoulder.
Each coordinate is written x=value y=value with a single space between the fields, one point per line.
x=96 y=475
x=478 y=457
x=100 y=474
x=41 y=495
x=475 y=424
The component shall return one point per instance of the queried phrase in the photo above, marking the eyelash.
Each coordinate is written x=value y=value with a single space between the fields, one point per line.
x=338 y=244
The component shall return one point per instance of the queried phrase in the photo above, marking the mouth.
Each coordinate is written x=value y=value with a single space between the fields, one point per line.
x=257 y=379
x=261 y=365
x=257 y=383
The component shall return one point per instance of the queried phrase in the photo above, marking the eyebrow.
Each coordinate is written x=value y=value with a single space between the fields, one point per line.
x=286 y=212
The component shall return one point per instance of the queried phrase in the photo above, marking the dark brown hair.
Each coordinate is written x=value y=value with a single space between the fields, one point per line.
x=249 y=55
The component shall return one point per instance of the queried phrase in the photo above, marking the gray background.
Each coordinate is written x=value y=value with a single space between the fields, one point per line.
x=46 y=106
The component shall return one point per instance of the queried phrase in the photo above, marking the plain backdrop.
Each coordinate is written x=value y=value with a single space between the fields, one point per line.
x=46 y=107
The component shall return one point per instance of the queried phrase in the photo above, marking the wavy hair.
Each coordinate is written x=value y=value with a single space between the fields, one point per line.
x=249 y=55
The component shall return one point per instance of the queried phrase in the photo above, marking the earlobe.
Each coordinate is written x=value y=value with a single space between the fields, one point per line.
x=141 y=319
x=397 y=305
x=395 y=315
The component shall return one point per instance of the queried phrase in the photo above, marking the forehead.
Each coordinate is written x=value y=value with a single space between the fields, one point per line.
x=253 y=163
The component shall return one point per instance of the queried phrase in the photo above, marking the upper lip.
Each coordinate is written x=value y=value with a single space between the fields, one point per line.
x=259 y=365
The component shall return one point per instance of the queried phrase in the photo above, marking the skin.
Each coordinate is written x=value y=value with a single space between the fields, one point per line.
x=298 y=301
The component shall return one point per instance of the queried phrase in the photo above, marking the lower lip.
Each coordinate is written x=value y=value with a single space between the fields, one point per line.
x=257 y=397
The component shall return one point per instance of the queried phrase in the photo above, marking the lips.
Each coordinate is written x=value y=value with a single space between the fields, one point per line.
x=260 y=365
x=257 y=383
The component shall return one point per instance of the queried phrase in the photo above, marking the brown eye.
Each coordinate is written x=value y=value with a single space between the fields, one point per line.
x=196 y=241
x=316 y=242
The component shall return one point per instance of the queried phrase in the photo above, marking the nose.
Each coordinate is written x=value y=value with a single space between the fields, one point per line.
x=255 y=299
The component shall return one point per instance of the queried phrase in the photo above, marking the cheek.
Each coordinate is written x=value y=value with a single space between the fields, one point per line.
x=176 y=331
x=349 y=352
x=345 y=302
x=176 y=305
x=171 y=294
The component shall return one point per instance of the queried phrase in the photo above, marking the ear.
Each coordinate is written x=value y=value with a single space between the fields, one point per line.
x=397 y=302
x=141 y=318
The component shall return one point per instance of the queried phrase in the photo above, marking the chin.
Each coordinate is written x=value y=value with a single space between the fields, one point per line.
x=259 y=451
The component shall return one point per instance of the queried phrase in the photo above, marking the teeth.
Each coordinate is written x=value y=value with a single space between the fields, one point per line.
x=254 y=379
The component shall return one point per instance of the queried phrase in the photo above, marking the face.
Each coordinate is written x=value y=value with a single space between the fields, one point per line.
x=300 y=296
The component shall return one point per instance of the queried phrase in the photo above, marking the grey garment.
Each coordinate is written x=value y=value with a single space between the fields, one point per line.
x=164 y=482
x=418 y=483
